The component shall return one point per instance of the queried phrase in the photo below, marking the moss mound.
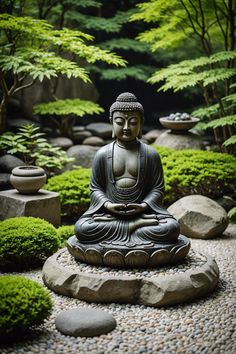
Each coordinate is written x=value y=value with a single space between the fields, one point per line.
x=64 y=232
x=73 y=188
x=188 y=172
x=26 y=242
x=24 y=304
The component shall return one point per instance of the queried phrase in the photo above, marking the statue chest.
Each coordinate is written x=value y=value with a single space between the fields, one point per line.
x=125 y=167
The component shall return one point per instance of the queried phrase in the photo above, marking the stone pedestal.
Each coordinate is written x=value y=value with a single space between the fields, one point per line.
x=44 y=204
x=180 y=140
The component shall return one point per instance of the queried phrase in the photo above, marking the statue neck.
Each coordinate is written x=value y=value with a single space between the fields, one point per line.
x=127 y=144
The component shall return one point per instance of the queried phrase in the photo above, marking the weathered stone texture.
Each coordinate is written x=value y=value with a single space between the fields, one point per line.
x=199 y=216
x=85 y=322
x=44 y=204
x=153 y=291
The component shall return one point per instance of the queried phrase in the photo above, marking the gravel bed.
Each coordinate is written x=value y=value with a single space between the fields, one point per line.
x=193 y=260
x=203 y=326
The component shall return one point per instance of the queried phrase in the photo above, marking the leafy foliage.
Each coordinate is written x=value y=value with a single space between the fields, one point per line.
x=211 y=25
x=26 y=242
x=24 y=304
x=64 y=232
x=73 y=189
x=30 y=145
x=232 y=215
x=196 y=172
x=188 y=72
x=68 y=106
x=33 y=50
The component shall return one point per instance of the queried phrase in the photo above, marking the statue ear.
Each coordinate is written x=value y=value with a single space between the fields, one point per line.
x=113 y=134
x=140 y=131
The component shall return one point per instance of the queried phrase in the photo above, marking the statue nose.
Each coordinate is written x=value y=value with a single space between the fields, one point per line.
x=126 y=126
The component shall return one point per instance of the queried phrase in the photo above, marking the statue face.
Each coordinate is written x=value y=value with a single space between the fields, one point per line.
x=126 y=125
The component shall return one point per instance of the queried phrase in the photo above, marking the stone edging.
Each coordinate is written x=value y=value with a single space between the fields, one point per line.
x=156 y=291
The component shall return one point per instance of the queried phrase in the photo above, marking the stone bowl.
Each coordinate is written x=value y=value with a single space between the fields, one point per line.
x=179 y=125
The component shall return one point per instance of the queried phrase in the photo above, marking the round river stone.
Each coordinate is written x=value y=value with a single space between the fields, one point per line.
x=81 y=322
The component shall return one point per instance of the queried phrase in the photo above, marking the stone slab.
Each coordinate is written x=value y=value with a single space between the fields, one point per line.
x=85 y=322
x=44 y=204
x=164 y=289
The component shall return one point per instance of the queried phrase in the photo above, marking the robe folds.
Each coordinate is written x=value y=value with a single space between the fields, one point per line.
x=149 y=188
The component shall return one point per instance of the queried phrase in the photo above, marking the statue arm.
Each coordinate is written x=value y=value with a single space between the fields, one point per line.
x=155 y=172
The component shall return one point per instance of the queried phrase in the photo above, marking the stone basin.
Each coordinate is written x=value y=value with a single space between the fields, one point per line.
x=179 y=124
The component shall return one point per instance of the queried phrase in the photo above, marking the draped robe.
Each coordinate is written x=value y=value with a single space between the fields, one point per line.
x=148 y=188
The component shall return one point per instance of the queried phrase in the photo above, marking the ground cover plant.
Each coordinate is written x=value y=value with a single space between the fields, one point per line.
x=24 y=304
x=73 y=189
x=26 y=242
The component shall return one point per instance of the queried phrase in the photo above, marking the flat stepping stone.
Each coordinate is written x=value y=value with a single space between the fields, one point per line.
x=85 y=322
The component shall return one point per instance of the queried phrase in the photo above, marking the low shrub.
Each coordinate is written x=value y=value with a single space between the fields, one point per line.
x=73 y=188
x=24 y=304
x=64 y=232
x=26 y=242
x=232 y=215
x=188 y=172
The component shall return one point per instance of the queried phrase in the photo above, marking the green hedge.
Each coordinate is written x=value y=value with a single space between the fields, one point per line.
x=73 y=188
x=24 y=304
x=64 y=232
x=26 y=242
x=188 y=172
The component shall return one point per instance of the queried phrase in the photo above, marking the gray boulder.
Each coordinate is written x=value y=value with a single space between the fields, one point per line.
x=62 y=141
x=180 y=141
x=5 y=181
x=83 y=155
x=8 y=162
x=152 y=135
x=79 y=136
x=199 y=216
x=94 y=141
x=85 y=322
x=103 y=130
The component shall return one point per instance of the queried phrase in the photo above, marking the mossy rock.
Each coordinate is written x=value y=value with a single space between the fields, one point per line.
x=26 y=242
x=24 y=304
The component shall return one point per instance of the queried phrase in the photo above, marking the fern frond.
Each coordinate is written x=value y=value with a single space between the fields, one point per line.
x=206 y=112
x=77 y=107
x=221 y=122
x=138 y=72
x=230 y=141
x=125 y=44
x=216 y=75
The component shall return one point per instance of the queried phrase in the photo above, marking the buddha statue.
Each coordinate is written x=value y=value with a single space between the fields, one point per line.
x=126 y=224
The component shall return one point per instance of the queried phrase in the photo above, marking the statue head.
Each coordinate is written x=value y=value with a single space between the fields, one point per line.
x=127 y=107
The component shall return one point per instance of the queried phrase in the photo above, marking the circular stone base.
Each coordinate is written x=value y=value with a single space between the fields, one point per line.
x=123 y=256
x=196 y=276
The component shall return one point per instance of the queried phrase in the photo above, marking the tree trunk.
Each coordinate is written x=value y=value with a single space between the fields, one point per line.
x=3 y=116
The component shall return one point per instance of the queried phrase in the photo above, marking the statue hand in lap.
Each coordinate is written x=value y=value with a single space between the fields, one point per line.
x=125 y=209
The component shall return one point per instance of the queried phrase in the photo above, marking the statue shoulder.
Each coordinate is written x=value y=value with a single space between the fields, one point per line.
x=103 y=152
x=151 y=152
